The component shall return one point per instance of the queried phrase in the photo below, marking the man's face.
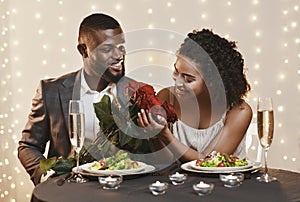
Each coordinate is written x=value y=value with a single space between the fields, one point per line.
x=106 y=54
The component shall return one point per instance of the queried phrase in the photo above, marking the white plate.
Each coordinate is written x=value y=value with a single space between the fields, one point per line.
x=191 y=166
x=143 y=169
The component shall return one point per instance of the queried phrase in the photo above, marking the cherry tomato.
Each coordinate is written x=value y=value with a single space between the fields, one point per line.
x=198 y=162
x=134 y=163
x=234 y=158
x=102 y=163
x=221 y=164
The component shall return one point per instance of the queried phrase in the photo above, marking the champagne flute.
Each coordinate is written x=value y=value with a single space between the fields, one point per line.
x=265 y=126
x=76 y=132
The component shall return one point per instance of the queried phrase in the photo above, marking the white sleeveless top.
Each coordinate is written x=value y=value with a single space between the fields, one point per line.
x=199 y=139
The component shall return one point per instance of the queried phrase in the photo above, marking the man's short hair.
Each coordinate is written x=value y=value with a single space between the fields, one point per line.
x=95 y=22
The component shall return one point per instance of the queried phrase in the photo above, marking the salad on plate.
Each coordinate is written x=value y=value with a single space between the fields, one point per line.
x=119 y=161
x=118 y=164
x=217 y=162
x=216 y=159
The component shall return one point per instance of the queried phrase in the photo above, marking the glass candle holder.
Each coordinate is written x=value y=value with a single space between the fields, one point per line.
x=178 y=178
x=158 y=188
x=203 y=188
x=232 y=180
x=110 y=182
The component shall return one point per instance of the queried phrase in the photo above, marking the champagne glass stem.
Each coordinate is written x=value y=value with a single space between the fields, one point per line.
x=77 y=163
x=266 y=157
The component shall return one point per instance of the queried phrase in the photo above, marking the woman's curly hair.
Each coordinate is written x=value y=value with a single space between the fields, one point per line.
x=211 y=50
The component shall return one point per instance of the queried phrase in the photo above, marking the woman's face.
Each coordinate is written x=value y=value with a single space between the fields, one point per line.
x=189 y=82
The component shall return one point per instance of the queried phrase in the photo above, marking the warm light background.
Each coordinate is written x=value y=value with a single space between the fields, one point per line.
x=38 y=40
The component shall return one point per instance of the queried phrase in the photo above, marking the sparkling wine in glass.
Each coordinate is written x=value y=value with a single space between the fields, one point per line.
x=76 y=132
x=265 y=127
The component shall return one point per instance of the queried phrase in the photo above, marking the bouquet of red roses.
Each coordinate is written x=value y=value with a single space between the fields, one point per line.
x=119 y=123
x=119 y=129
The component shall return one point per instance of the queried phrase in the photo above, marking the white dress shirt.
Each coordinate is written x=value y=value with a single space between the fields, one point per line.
x=89 y=96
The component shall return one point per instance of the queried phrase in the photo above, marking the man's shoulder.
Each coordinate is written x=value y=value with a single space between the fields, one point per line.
x=60 y=79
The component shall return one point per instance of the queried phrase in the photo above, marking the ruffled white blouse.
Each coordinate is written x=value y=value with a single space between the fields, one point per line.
x=200 y=138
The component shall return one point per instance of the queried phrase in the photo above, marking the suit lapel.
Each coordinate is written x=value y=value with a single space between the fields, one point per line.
x=69 y=90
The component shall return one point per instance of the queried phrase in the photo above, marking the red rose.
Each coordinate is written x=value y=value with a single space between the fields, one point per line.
x=145 y=92
x=144 y=96
x=137 y=90
x=131 y=88
x=171 y=114
x=145 y=89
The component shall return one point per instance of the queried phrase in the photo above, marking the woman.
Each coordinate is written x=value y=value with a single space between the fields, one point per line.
x=208 y=97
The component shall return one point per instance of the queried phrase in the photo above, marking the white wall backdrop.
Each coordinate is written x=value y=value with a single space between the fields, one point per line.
x=38 y=40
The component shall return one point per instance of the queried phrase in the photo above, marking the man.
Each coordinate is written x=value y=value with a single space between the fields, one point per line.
x=100 y=44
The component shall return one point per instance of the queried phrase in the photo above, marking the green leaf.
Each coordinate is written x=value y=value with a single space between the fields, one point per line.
x=105 y=104
x=124 y=139
x=133 y=110
x=103 y=112
x=47 y=164
x=64 y=166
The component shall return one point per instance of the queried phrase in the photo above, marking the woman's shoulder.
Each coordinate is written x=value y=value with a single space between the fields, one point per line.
x=244 y=107
x=242 y=111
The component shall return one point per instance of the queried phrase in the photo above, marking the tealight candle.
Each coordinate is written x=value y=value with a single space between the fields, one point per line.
x=203 y=188
x=202 y=185
x=177 y=174
x=231 y=177
x=110 y=182
x=158 y=188
x=232 y=180
x=110 y=179
x=158 y=184
x=177 y=178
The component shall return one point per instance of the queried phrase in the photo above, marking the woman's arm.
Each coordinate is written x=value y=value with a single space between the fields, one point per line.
x=166 y=138
x=179 y=149
x=235 y=127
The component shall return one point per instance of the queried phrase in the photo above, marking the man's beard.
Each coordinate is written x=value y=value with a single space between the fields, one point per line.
x=110 y=77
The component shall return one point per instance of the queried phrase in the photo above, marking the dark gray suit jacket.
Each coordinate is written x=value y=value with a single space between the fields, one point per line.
x=48 y=121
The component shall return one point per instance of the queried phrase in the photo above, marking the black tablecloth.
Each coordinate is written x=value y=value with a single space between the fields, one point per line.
x=287 y=188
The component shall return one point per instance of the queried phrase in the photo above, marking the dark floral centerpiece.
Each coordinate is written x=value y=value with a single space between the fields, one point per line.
x=119 y=128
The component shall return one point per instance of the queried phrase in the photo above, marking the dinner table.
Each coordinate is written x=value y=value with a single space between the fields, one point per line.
x=135 y=188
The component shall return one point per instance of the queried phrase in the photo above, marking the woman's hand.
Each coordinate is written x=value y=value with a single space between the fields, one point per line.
x=146 y=121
